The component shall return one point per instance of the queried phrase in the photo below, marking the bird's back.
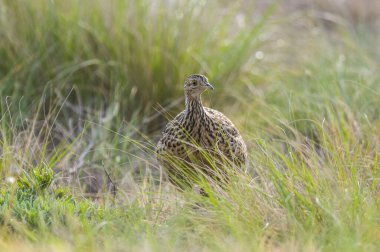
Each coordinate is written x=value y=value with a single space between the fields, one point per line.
x=215 y=132
x=225 y=137
x=174 y=138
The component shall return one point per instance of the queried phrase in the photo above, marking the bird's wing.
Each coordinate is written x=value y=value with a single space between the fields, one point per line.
x=222 y=121
x=230 y=138
x=173 y=137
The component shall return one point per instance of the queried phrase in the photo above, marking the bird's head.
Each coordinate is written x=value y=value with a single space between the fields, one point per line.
x=195 y=84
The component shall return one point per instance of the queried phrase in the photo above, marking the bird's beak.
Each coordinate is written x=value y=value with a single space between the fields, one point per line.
x=209 y=86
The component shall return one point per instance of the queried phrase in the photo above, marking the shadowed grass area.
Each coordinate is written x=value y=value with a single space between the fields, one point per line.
x=80 y=82
x=133 y=54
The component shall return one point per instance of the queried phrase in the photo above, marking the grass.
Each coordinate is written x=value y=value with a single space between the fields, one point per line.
x=86 y=86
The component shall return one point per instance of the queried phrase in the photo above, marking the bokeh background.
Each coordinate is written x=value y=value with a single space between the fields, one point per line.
x=87 y=86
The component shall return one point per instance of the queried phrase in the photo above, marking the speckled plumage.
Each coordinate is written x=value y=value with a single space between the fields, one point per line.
x=199 y=127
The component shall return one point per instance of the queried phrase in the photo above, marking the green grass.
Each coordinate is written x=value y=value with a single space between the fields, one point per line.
x=80 y=86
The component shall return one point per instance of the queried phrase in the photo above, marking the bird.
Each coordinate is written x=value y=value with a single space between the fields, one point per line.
x=195 y=136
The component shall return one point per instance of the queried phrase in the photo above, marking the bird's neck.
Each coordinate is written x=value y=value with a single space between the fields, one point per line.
x=194 y=105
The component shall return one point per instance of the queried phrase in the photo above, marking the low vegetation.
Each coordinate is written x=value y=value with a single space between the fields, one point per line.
x=87 y=86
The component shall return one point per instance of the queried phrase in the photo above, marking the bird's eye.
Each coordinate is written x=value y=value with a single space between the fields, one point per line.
x=194 y=83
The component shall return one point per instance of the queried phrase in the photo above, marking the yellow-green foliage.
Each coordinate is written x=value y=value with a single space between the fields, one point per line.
x=80 y=83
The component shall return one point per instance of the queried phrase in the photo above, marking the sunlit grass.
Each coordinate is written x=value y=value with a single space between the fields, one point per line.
x=80 y=83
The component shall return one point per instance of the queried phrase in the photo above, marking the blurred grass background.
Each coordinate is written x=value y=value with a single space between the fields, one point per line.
x=86 y=87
